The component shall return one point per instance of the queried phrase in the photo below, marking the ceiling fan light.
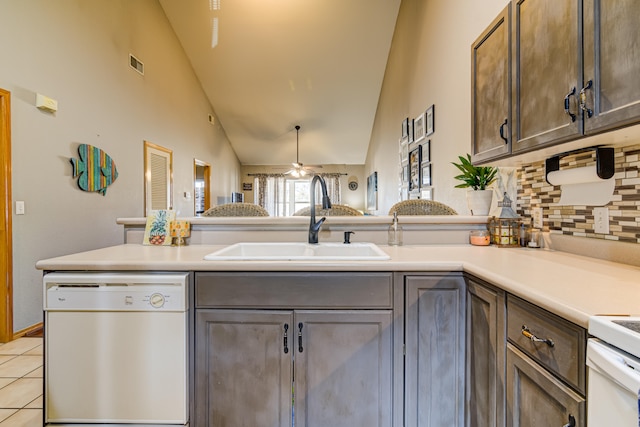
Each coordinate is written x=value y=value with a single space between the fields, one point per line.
x=303 y=172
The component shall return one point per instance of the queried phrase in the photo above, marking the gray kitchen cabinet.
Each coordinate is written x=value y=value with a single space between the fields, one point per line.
x=243 y=376
x=547 y=72
x=611 y=64
x=486 y=351
x=491 y=90
x=298 y=358
x=535 y=398
x=546 y=368
x=573 y=73
x=435 y=350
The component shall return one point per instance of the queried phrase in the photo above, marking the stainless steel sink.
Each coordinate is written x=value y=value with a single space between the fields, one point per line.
x=291 y=251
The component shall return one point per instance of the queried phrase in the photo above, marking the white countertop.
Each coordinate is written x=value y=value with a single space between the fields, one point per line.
x=572 y=286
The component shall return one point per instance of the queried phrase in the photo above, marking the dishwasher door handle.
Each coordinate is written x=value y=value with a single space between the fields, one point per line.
x=613 y=365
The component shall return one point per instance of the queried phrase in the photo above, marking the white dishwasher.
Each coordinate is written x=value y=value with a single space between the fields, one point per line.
x=116 y=349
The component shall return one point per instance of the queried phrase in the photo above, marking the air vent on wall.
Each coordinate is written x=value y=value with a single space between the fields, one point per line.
x=136 y=64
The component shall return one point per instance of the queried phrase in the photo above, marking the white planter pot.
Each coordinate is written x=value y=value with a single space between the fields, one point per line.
x=479 y=201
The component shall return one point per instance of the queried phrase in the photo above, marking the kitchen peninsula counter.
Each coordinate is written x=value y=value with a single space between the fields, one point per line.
x=572 y=286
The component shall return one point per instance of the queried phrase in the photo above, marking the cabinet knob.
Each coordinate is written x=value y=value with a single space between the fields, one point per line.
x=567 y=104
x=527 y=333
x=506 y=140
x=300 y=349
x=286 y=346
x=583 y=98
x=571 y=423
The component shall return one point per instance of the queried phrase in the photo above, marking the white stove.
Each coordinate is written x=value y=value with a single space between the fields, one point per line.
x=613 y=361
x=622 y=332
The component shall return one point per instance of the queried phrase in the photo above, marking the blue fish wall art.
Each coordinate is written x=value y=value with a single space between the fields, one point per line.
x=95 y=169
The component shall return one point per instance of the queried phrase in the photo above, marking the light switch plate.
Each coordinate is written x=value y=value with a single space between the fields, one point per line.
x=536 y=218
x=19 y=207
x=601 y=220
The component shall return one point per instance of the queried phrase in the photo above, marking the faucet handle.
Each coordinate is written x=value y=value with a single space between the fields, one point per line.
x=347 y=237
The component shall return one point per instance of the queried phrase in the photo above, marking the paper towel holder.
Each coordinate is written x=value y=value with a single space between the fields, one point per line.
x=605 y=165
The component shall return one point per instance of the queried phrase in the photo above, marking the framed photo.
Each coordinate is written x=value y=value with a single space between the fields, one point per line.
x=411 y=139
x=426 y=175
x=405 y=173
x=404 y=192
x=405 y=128
x=414 y=195
x=418 y=127
x=404 y=151
x=426 y=193
x=430 y=120
x=415 y=158
x=426 y=151
x=372 y=191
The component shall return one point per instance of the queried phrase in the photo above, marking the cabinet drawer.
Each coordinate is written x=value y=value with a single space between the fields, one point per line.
x=294 y=290
x=566 y=358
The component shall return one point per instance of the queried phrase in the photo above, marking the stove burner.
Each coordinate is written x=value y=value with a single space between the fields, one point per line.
x=633 y=325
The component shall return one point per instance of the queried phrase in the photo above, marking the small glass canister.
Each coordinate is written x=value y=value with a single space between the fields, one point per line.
x=479 y=237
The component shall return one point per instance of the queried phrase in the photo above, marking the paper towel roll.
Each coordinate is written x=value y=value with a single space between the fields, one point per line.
x=582 y=186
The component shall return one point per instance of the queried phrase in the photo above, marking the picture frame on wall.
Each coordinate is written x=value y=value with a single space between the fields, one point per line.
x=426 y=193
x=426 y=151
x=425 y=180
x=411 y=139
x=419 y=127
x=405 y=173
x=404 y=151
x=405 y=129
x=430 y=120
x=372 y=191
x=415 y=158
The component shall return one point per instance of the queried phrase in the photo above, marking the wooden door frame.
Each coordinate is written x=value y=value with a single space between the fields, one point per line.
x=6 y=245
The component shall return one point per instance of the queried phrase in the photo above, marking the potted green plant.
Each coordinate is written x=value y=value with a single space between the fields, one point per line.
x=477 y=179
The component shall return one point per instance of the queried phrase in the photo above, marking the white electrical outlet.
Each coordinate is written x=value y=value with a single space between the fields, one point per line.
x=601 y=220
x=536 y=216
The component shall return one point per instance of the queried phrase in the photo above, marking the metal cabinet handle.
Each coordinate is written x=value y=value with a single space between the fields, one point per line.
x=506 y=140
x=571 y=423
x=286 y=346
x=300 y=349
x=527 y=333
x=567 y=104
x=583 y=98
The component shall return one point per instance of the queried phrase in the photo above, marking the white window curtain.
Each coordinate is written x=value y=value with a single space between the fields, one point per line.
x=333 y=188
x=271 y=192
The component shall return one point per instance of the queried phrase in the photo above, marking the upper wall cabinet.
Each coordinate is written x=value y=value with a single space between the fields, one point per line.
x=611 y=64
x=573 y=73
x=491 y=91
x=547 y=72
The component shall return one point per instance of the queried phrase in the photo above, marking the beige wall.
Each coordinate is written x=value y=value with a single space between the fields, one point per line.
x=429 y=63
x=356 y=199
x=76 y=51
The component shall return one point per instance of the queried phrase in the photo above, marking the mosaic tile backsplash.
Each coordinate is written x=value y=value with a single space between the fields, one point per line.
x=624 y=209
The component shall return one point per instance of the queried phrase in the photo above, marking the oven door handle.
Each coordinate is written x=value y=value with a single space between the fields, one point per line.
x=613 y=364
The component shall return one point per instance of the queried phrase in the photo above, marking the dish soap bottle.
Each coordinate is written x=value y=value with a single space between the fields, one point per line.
x=395 y=232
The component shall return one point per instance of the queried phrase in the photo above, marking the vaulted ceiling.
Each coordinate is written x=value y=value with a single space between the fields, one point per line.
x=268 y=65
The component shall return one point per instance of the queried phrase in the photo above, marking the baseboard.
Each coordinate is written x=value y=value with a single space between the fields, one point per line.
x=32 y=331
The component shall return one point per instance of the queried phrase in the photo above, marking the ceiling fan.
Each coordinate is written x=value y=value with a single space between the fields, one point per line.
x=299 y=170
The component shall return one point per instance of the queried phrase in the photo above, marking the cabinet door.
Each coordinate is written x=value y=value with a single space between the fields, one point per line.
x=343 y=366
x=486 y=350
x=491 y=90
x=547 y=64
x=435 y=351
x=611 y=63
x=535 y=398
x=243 y=372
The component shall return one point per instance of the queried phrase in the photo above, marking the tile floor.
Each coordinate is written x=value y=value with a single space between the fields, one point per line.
x=21 y=383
